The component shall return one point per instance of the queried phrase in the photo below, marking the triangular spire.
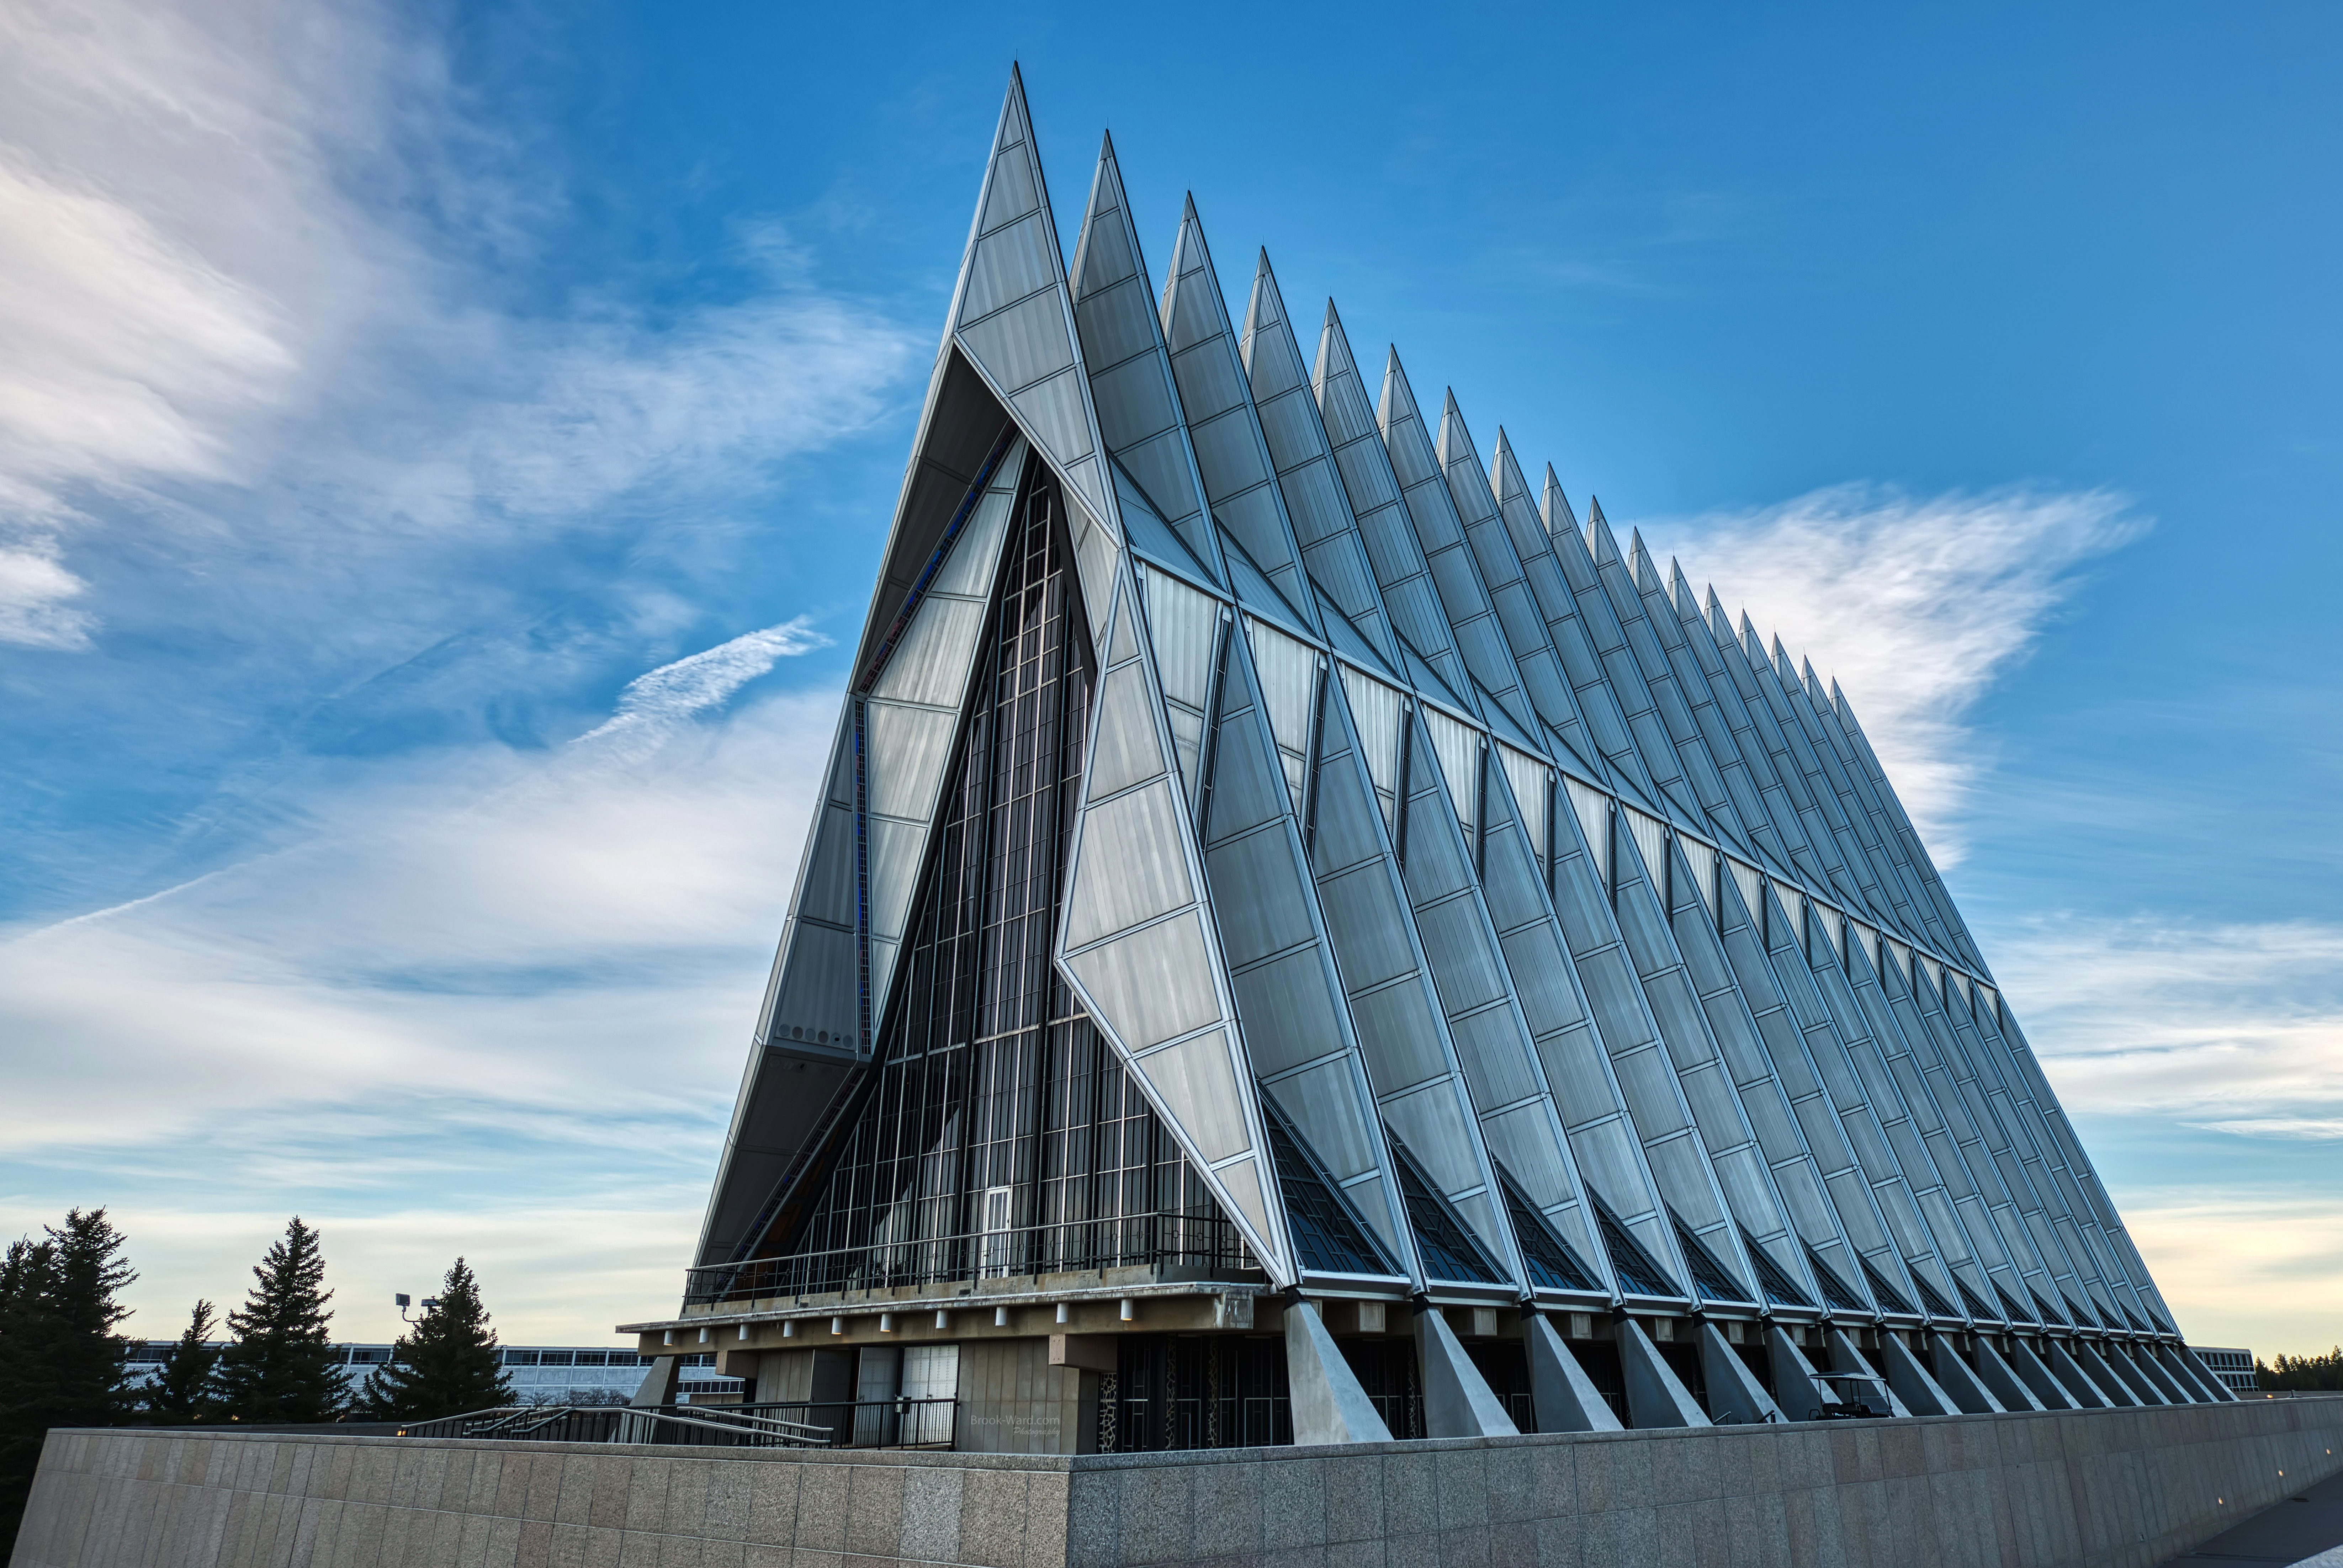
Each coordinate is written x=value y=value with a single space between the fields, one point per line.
x=1316 y=506
x=1129 y=372
x=1556 y=505
x=1599 y=542
x=1240 y=480
x=1505 y=477
x=1687 y=605
x=1372 y=485
x=1647 y=576
x=1011 y=315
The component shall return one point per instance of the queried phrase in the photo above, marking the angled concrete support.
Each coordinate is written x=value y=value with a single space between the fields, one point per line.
x=1457 y=1401
x=1796 y=1392
x=2002 y=1380
x=2134 y=1376
x=2143 y=1362
x=1565 y=1397
x=2193 y=1374
x=658 y=1382
x=1961 y=1386
x=1654 y=1396
x=2079 y=1384
x=2037 y=1375
x=1913 y=1384
x=2119 y=1392
x=2205 y=1374
x=1329 y=1405
x=1844 y=1357
x=1735 y=1396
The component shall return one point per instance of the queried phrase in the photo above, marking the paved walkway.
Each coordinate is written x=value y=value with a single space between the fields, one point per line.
x=2305 y=1529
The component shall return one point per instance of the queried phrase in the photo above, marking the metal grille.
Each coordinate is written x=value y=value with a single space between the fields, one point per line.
x=1194 y=1391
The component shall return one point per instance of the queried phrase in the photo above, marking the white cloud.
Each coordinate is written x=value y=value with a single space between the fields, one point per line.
x=34 y=598
x=259 y=259
x=674 y=692
x=2235 y=1029
x=1915 y=606
x=493 y=1003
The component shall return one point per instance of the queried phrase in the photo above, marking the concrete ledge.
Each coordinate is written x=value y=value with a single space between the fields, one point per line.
x=2097 y=1489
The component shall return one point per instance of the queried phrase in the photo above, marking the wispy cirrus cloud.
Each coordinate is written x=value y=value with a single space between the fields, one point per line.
x=674 y=692
x=2230 y=1028
x=1915 y=604
x=479 y=985
x=259 y=301
x=321 y=538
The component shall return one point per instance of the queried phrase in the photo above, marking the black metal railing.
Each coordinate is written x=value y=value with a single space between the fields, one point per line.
x=848 y=1423
x=1167 y=1239
x=899 y=1422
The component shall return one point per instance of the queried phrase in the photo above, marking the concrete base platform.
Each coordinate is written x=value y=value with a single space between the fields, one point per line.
x=2118 y=1488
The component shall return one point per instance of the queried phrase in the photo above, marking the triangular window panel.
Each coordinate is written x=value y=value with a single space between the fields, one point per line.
x=1427 y=680
x=1710 y=1277
x=1978 y=1309
x=2050 y=1314
x=1447 y=1247
x=2013 y=1312
x=1255 y=592
x=1350 y=642
x=1837 y=1294
x=1780 y=1291
x=1937 y=1306
x=1329 y=1236
x=1638 y=1274
x=1149 y=534
x=1552 y=1263
x=1888 y=1296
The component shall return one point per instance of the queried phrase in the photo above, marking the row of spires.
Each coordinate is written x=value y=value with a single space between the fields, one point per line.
x=1160 y=441
x=1553 y=506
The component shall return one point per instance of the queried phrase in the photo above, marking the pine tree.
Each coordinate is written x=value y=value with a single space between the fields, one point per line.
x=186 y=1391
x=280 y=1368
x=61 y=1364
x=448 y=1365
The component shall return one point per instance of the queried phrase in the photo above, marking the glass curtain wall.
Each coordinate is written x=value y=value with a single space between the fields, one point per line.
x=998 y=1135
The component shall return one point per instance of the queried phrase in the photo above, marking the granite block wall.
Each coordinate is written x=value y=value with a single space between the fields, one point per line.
x=2097 y=1489
x=214 y=1500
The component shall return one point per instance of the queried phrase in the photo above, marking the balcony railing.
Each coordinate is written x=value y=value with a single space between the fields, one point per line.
x=1162 y=1240
x=849 y=1423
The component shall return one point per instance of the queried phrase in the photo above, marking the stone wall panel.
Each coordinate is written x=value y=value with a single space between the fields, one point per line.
x=2099 y=1488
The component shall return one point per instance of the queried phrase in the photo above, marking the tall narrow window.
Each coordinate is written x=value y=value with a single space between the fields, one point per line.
x=996 y=1132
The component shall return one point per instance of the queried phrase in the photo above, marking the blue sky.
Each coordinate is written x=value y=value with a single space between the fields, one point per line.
x=444 y=453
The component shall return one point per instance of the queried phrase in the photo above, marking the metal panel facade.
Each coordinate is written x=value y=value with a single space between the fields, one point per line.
x=1475 y=857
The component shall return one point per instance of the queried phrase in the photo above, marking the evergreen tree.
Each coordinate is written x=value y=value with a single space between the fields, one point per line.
x=61 y=1364
x=2312 y=1374
x=448 y=1365
x=281 y=1367
x=186 y=1391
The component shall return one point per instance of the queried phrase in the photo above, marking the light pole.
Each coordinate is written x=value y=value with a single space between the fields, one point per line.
x=430 y=1303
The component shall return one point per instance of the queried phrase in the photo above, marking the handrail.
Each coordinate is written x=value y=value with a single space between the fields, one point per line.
x=894 y=1422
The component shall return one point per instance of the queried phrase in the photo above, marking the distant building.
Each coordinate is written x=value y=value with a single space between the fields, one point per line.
x=2235 y=1368
x=541 y=1374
